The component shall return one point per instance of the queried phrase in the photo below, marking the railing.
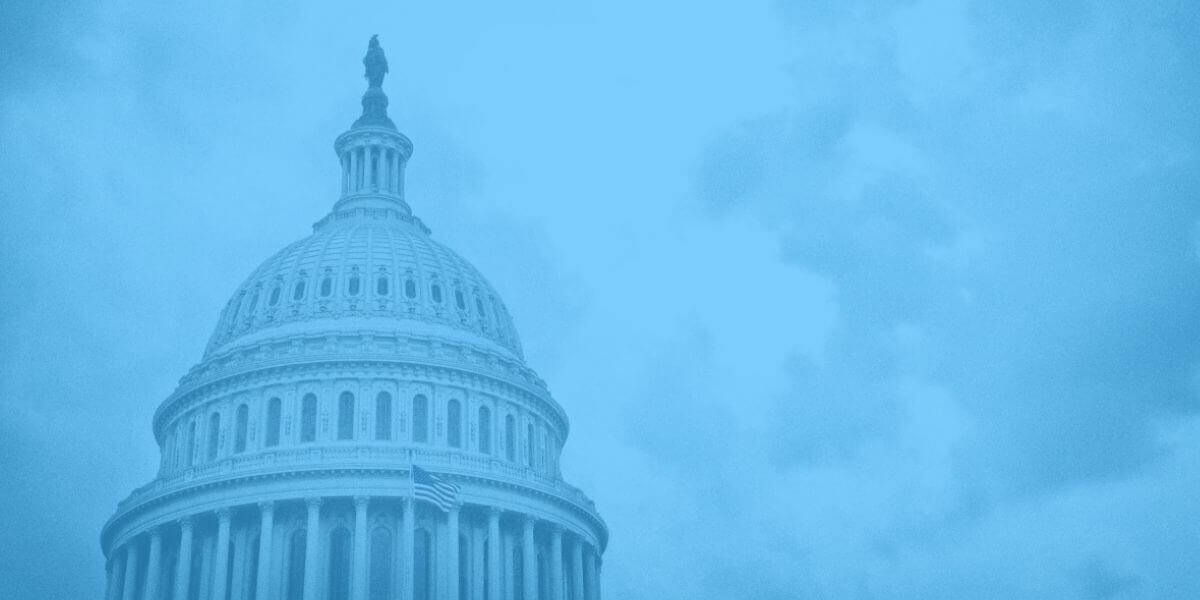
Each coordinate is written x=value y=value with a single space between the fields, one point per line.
x=357 y=457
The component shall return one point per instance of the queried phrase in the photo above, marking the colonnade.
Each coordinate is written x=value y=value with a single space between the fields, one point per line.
x=372 y=168
x=268 y=552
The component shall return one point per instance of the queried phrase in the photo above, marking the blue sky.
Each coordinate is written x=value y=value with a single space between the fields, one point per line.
x=844 y=299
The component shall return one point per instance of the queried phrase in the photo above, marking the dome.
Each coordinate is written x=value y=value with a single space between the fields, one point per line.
x=362 y=425
x=356 y=272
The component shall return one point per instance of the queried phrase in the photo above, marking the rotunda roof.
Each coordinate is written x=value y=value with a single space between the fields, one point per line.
x=354 y=269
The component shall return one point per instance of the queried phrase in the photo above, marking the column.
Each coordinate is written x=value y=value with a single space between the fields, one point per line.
x=452 y=555
x=478 y=560
x=396 y=178
x=183 y=569
x=494 y=546
x=594 y=576
x=353 y=169
x=116 y=576
x=529 y=559
x=153 y=568
x=360 y=548
x=577 y=570
x=312 y=549
x=408 y=524
x=556 y=564
x=221 y=562
x=265 y=544
x=131 y=568
x=369 y=171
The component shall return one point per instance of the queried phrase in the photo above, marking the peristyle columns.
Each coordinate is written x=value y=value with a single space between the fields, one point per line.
x=556 y=563
x=221 y=562
x=493 y=549
x=577 y=570
x=452 y=558
x=529 y=559
x=153 y=568
x=360 y=548
x=183 y=569
x=312 y=549
x=131 y=568
x=265 y=543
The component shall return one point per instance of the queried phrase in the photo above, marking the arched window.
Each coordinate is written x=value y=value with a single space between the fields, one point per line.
x=345 y=422
x=354 y=285
x=420 y=418
x=253 y=301
x=326 y=286
x=251 y=570
x=274 y=413
x=379 y=579
x=410 y=288
x=295 y=566
x=239 y=435
x=190 y=452
x=308 y=418
x=454 y=424
x=436 y=293
x=381 y=286
x=214 y=434
x=298 y=291
x=422 y=566
x=339 y=564
x=485 y=430
x=383 y=416
x=459 y=300
x=529 y=445
x=274 y=296
x=510 y=437
x=479 y=308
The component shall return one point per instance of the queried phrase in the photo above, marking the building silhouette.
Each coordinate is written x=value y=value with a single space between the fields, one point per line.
x=344 y=361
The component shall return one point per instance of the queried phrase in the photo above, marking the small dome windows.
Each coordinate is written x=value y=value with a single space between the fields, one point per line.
x=298 y=291
x=381 y=285
x=274 y=298
x=353 y=286
x=410 y=289
x=326 y=285
x=460 y=300
x=435 y=291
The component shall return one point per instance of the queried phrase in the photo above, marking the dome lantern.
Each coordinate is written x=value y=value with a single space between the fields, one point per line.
x=373 y=153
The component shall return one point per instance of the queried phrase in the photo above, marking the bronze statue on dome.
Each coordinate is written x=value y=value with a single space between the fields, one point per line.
x=375 y=62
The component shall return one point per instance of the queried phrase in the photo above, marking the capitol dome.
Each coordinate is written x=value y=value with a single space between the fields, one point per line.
x=362 y=425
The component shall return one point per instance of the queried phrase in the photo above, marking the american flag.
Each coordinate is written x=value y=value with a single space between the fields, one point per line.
x=427 y=486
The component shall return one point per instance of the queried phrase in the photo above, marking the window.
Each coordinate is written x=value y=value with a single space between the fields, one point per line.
x=379 y=578
x=345 y=421
x=214 y=434
x=420 y=419
x=485 y=430
x=339 y=564
x=383 y=416
x=454 y=424
x=381 y=286
x=529 y=445
x=410 y=288
x=459 y=300
x=191 y=444
x=422 y=566
x=436 y=292
x=510 y=437
x=298 y=291
x=274 y=410
x=274 y=299
x=253 y=302
x=295 y=567
x=326 y=286
x=239 y=436
x=479 y=308
x=353 y=287
x=308 y=418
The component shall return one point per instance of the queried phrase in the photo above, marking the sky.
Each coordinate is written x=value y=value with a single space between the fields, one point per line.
x=844 y=299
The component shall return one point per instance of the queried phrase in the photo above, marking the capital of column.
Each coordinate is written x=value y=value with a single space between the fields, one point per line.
x=186 y=523
x=313 y=503
x=267 y=506
x=494 y=510
x=360 y=502
x=224 y=513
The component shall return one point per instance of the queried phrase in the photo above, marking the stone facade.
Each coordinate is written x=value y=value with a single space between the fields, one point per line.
x=344 y=360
